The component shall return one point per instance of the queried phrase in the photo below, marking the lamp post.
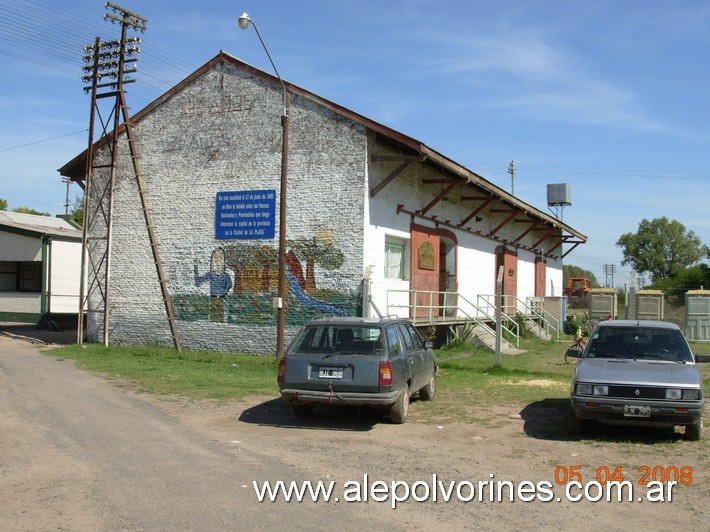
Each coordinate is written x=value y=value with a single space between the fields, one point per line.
x=279 y=302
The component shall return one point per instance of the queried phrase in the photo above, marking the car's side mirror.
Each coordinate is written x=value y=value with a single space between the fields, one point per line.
x=702 y=358
x=574 y=352
x=429 y=344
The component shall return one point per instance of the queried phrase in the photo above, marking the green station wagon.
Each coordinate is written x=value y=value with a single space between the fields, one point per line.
x=357 y=361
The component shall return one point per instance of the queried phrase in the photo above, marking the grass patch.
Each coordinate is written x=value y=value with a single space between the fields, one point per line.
x=163 y=370
x=468 y=378
x=538 y=373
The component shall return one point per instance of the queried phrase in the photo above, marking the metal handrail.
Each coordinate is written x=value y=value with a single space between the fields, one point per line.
x=430 y=307
x=505 y=318
x=527 y=311
x=550 y=320
x=509 y=325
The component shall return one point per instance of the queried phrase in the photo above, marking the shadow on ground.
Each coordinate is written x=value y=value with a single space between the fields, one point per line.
x=31 y=333
x=547 y=420
x=278 y=413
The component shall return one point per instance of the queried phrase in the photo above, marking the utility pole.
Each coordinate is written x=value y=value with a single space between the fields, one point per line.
x=609 y=271
x=511 y=171
x=499 y=316
x=111 y=60
x=66 y=181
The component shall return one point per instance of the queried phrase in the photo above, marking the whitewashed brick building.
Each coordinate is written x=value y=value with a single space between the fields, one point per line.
x=375 y=219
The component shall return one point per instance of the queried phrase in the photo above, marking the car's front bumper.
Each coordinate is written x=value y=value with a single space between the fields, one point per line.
x=298 y=396
x=611 y=410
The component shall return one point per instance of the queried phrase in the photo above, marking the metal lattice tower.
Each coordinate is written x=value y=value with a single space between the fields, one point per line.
x=113 y=60
x=609 y=271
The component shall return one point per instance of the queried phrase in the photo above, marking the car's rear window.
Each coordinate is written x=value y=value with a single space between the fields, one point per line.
x=641 y=343
x=350 y=339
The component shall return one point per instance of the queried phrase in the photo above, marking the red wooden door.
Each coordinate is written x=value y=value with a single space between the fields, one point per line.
x=424 y=271
x=540 y=277
x=509 y=260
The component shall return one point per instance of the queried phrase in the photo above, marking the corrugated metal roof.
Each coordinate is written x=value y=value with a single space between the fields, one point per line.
x=38 y=225
x=75 y=169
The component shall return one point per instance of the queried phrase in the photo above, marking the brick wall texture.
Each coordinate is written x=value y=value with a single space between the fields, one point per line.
x=222 y=133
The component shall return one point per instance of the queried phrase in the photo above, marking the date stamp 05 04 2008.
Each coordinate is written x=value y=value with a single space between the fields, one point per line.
x=682 y=475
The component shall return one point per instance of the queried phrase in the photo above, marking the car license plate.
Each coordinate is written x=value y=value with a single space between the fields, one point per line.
x=637 y=411
x=330 y=373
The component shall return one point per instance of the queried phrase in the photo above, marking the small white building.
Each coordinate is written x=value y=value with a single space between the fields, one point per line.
x=40 y=268
x=375 y=219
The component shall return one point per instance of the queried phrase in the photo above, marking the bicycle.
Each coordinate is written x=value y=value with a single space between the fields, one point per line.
x=580 y=342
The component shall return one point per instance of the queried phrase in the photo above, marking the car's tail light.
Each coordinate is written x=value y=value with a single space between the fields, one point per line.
x=282 y=370
x=385 y=373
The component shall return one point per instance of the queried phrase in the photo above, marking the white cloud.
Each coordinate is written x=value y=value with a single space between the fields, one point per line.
x=528 y=73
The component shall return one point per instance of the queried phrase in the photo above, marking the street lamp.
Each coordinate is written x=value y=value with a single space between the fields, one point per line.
x=279 y=302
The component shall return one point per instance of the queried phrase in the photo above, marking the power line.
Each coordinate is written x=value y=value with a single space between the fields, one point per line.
x=645 y=174
x=43 y=140
x=26 y=36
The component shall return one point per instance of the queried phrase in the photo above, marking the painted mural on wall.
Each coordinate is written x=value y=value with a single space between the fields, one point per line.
x=242 y=278
x=220 y=283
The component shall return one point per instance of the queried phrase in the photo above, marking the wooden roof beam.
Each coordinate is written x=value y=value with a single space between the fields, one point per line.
x=442 y=195
x=533 y=226
x=387 y=180
x=389 y=158
x=574 y=245
x=445 y=223
x=553 y=248
x=512 y=214
x=487 y=200
x=548 y=234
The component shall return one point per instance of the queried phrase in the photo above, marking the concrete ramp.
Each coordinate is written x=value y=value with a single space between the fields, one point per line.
x=485 y=337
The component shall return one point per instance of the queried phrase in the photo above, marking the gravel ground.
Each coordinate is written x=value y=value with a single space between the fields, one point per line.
x=513 y=443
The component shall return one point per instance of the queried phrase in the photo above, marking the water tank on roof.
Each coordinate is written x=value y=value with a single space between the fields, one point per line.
x=559 y=194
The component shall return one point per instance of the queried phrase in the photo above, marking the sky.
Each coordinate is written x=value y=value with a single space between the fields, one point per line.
x=609 y=97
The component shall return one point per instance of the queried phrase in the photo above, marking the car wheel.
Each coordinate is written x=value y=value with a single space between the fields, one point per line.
x=400 y=409
x=694 y=432
x=429 y=391
x=575 y=423
x=303 y=410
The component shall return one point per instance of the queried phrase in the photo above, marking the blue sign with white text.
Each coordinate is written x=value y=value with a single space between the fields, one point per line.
x=245 y=215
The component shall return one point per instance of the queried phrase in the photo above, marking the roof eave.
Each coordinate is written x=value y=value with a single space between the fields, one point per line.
x=76 y=168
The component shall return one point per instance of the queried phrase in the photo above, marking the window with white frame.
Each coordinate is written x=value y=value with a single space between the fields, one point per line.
x=395 y=259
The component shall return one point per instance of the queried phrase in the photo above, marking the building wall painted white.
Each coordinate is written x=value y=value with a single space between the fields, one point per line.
x=554 y=278
x=20 y=248
x=475 y=275
x=20 y=302
x=65 y=274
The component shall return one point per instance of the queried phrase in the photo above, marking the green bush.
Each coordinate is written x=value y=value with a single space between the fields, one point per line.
x=460 y=335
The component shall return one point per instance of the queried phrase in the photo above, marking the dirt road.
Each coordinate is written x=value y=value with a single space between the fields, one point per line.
x=82 y=453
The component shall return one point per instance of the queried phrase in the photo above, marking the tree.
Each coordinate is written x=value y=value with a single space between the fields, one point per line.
x=77 y=211
x=239 y=255
x=27 y=210
x=569 y=270
x=321 y=250
x=693 y=278
x=662 y=248
x=267 y=257
x=3 y=204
